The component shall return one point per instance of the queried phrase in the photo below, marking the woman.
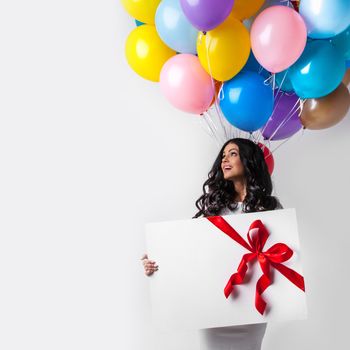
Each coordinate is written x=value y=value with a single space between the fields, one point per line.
x=239 y=182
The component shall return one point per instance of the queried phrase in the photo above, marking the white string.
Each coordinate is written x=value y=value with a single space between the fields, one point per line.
x=212 y=132
x=287 y=117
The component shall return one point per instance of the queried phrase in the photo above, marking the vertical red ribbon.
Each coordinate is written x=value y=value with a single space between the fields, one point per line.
x=274 y=256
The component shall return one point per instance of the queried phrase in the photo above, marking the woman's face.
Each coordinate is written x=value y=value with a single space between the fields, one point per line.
x=231 y=164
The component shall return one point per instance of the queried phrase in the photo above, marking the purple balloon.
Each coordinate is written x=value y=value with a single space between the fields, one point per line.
x=206 y=14
x=284 y=121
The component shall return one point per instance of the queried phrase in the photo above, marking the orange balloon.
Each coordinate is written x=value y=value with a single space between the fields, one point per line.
x=218 y=85
x=326 y=111
x=243 y=9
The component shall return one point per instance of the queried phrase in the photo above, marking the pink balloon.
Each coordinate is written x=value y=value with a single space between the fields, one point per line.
x=186 y=84
x=278 y=37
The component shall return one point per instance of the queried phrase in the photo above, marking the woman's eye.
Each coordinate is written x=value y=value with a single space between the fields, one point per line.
x=233 y=153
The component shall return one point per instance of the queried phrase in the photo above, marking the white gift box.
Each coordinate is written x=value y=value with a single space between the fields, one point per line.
x=196 y=260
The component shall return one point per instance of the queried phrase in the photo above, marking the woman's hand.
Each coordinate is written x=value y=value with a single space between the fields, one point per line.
x=149 y=265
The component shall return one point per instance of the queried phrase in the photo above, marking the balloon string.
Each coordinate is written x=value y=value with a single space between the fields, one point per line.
x=301 y=135
x=287 y=117
x=213 y=125
x=208 y=121
x=267 y=81
x=205 y=125
x=276 y=100
x=280 y=85
x=282 y=143
x=301 y=101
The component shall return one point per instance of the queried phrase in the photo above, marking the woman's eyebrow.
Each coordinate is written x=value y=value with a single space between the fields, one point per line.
x=232 y=149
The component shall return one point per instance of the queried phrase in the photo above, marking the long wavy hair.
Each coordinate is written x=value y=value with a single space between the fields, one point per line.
x=219 y=193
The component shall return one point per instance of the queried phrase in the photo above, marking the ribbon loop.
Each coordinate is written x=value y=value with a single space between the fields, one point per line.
x=279 y=252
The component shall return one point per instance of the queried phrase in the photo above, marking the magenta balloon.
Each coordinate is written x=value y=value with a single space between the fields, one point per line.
x=206 y=14
x=284 y=121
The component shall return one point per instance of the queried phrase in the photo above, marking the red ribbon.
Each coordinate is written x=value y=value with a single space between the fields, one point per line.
x=274 y=256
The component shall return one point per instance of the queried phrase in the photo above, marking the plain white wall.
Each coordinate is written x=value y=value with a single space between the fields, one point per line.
x=89 y=152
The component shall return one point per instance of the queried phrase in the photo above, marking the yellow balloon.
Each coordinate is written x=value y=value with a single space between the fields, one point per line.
x=224 y=51
x=142 y=10
x=146 y=53
x=246 y=8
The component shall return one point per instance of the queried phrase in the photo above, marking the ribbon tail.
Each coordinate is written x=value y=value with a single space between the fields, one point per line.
x=263 y=283
x=238 y=277
x=292 y=275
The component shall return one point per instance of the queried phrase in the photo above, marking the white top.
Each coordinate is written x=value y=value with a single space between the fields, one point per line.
x=242 y=337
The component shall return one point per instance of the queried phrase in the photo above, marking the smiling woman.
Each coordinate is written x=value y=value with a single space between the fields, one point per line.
x=238 y=182
x=239 y=174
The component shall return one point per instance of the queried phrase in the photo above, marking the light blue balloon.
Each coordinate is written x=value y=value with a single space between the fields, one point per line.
x=342 y=42
x=174 y=28
x=318 y=71
x=325 y=18
x=247 y=102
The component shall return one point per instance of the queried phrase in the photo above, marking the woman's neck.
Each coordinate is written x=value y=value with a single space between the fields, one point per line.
x=240 y=188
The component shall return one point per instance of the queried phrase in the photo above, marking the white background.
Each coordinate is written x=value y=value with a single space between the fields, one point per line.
x=89 y=152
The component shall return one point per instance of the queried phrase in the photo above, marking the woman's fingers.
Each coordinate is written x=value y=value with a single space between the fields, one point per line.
x=149 y=265
x=150 y=268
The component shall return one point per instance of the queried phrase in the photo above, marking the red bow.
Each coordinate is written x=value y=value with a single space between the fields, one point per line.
x=274 y=256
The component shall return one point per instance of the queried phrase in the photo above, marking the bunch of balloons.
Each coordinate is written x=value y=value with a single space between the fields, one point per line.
x=271 y=66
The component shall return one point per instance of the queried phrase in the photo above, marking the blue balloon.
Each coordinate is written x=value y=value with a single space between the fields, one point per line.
x=318 y=71
x=138 y=23
x=254 y=66
x=325 y=18
x=342 y=42
x=174 y=28
x=247 y=102
x=283 y=81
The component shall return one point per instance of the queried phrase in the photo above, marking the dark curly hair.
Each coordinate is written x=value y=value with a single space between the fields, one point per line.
x=219 y=193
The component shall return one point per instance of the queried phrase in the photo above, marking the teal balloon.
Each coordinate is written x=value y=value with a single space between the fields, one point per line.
x=174 y=28
x=342 y=42
x=325 y=18
x=246 y=101
x=138 y=23
x=283 y=81
x=318 y=71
